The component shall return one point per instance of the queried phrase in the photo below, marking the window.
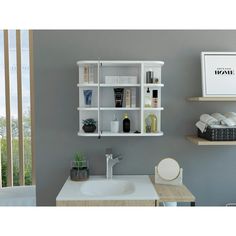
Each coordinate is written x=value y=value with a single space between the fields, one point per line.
x=16 y=108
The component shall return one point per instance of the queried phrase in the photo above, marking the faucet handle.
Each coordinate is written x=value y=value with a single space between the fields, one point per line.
x=108 y=151
x=118 y=156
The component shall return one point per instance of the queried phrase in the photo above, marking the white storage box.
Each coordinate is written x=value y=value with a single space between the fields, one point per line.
x=120 y=79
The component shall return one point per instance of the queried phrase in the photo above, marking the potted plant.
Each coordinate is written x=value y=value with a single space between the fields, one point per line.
x=89 y=125
x=79 y=169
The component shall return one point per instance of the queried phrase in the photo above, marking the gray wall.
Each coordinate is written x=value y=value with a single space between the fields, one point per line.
x=209 y=172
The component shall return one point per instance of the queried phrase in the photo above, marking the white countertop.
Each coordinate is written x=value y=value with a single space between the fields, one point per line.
x=142 y=185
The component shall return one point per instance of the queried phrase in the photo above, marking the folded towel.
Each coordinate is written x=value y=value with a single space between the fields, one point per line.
x=201 y=125
x=209 y=120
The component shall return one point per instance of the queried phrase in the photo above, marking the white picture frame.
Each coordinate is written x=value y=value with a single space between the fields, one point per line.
x=218 y=74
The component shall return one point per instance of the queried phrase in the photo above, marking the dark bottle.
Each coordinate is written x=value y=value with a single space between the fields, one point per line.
x=126 y=124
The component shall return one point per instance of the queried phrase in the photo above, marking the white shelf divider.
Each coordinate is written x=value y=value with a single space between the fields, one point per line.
x=120 y=108
x=86 y=85
x=119 y=85
x=153 y=85
x=87 y=108
x=153 y=108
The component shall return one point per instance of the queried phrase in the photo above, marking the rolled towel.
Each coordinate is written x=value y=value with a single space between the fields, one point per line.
x=201 y=125
x=231 y=115
x=218 y=116
x=224 y=120
x=209 y=120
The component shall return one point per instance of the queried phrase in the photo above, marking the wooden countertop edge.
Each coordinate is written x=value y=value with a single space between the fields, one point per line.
x=172 y=193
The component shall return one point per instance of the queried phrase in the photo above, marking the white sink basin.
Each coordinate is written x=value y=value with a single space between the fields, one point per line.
x=121 y=187
x=99 y=188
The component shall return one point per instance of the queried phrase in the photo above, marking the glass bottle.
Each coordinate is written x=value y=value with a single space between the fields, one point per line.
x=147 y=99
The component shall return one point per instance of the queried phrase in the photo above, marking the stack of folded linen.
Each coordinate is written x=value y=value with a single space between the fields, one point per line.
x=216 y=120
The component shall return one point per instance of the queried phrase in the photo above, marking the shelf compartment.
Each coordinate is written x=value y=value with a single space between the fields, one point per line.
x=107 y=116
x=118 y=85
x=120 y=108
x=212 y=99
x=203 y=142
x=86 y=85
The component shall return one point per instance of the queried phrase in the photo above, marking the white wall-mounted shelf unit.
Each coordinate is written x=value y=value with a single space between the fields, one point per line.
x=129 y=75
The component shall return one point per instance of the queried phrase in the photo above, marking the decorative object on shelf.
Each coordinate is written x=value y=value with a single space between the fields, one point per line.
x=168 y=171
x=149 y=77
x=127 y=98
x=148 y=100
x=86 y=74
x=79 y=168
x=115 y=125
x=88 y=97
x=218 y=74
x=89 y=125
x=126 y=124
x=156 y=81
x=119 y=93
x=151 y=123
x=148 y=127
x=155 y=98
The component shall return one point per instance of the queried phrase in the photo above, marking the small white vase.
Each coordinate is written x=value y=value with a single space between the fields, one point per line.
x=115 y=126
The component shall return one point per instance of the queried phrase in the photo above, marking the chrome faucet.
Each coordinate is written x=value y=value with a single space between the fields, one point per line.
x=110 y=162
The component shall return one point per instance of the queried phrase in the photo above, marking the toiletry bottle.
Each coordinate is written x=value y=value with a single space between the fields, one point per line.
x=154 y=98
x=118 y=92
x=149 y=77
x=153 y=123
x=126 y=124
x=86 y=74
x=127 y=98
x=147 y=100
x=91 y=74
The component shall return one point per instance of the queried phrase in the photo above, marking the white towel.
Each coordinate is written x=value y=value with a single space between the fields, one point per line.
x=231 y=115
x=228 y=121
x=209 y=120
x=201 y=125
x=218 y=116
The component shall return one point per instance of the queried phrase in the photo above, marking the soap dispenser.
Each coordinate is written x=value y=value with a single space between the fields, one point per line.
x=126 y=124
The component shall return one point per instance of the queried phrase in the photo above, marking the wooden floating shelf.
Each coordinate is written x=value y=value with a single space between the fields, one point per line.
x=200 y=141
x=212 y=99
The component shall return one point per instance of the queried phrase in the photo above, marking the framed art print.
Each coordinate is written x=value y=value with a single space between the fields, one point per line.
x=218 y=74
